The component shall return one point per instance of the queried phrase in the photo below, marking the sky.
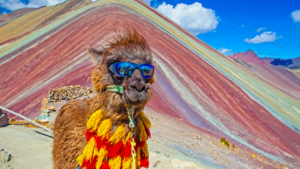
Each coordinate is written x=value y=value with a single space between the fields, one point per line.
x=269 y=28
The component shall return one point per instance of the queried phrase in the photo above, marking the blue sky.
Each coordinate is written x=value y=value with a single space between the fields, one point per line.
x=270 y=28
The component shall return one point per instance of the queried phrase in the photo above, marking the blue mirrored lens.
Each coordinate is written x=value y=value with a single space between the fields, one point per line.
x=125 y=69
x=147 y=70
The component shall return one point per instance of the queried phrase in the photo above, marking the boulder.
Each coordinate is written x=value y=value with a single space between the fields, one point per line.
x=3 y=119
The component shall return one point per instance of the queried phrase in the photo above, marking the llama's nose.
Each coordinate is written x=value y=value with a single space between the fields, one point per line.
x=137 y=81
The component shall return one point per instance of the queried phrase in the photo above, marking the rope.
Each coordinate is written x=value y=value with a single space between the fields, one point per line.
x=27 y=119
x=130 y=111
x=120 y=89
x=115 y=88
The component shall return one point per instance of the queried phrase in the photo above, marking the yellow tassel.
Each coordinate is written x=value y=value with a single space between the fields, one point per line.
x=145 y=150
x=145 y=120
x=143 y=133
x=94 y=120
x=138 y=158
x=119 y=134
x=101 y=154
x=125 y=140
x=104 y=127
x=79 y=159
x=126 y=162
x=89 y=149
x=115 y=163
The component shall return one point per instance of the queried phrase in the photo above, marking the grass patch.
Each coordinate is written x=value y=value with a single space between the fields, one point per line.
x=225 y=142
x=28 y=124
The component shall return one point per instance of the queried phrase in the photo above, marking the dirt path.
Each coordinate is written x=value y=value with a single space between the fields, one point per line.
x=30 y=147
x=173 y=145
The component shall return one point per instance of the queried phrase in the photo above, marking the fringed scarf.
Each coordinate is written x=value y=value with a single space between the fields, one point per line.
x=106 y=151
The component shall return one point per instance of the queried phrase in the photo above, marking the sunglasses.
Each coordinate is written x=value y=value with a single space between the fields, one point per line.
x=126 y=69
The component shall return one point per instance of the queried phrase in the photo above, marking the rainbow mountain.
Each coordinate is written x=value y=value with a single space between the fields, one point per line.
x=43 y=48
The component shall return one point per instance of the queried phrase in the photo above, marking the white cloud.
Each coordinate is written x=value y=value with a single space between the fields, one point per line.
x=17 y=4
x=195 y=18
x=51 y=2
x=296 y=16
x=243 y=26
x=260 y=29
x=263 y=37
x=147 y=1
x=224 y=50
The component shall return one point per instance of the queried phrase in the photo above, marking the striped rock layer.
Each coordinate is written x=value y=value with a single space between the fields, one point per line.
x=195 y=82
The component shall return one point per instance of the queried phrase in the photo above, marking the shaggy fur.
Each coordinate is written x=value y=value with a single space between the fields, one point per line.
x=70 y=125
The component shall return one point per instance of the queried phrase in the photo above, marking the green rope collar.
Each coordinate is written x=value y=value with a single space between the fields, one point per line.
x=115 y=88
x=120 y=89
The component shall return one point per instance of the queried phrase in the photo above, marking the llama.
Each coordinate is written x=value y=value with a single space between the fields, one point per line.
x=98 y=132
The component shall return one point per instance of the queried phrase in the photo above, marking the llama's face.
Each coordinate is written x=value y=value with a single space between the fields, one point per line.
x=130 y=48
x=135 y=91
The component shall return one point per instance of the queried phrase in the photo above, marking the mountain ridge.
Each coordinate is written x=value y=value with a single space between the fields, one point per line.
x=194 y=82
x=251 y=57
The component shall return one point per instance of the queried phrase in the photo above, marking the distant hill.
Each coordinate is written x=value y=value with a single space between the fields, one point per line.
x=288 y=63
x=250 y=57
x=246 y=101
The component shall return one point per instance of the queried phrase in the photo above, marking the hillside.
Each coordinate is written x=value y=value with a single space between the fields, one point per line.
x=281 y=73
x=256 y=107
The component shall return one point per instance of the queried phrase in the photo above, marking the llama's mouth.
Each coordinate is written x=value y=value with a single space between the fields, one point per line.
x=134 y=103
x=134 y=97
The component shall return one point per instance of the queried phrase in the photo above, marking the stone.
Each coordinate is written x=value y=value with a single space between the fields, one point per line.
x=156 y=163
x=7 y=158
x=3 y=119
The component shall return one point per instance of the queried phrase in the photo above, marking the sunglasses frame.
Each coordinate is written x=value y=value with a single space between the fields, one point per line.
x=113 y=68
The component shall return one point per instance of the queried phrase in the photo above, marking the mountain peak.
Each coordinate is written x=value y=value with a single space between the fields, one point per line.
x=250 y=51
x=248 y=56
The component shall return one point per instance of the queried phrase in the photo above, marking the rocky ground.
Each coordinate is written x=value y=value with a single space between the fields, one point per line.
x=174 y=145
x=29 y=147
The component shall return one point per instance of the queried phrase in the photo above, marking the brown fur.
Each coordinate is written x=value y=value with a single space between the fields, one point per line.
x=70 y=125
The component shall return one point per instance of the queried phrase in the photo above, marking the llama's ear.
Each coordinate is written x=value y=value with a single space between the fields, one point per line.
x=97 y=56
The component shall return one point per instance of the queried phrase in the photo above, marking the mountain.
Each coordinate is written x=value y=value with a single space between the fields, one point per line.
x=253 y=105
x=248 y=56
x=23 y=21
x=272 y=70
x=293 y=63
x=6 y=18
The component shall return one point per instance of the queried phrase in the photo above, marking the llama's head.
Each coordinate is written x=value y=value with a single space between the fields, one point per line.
x=113 y=63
